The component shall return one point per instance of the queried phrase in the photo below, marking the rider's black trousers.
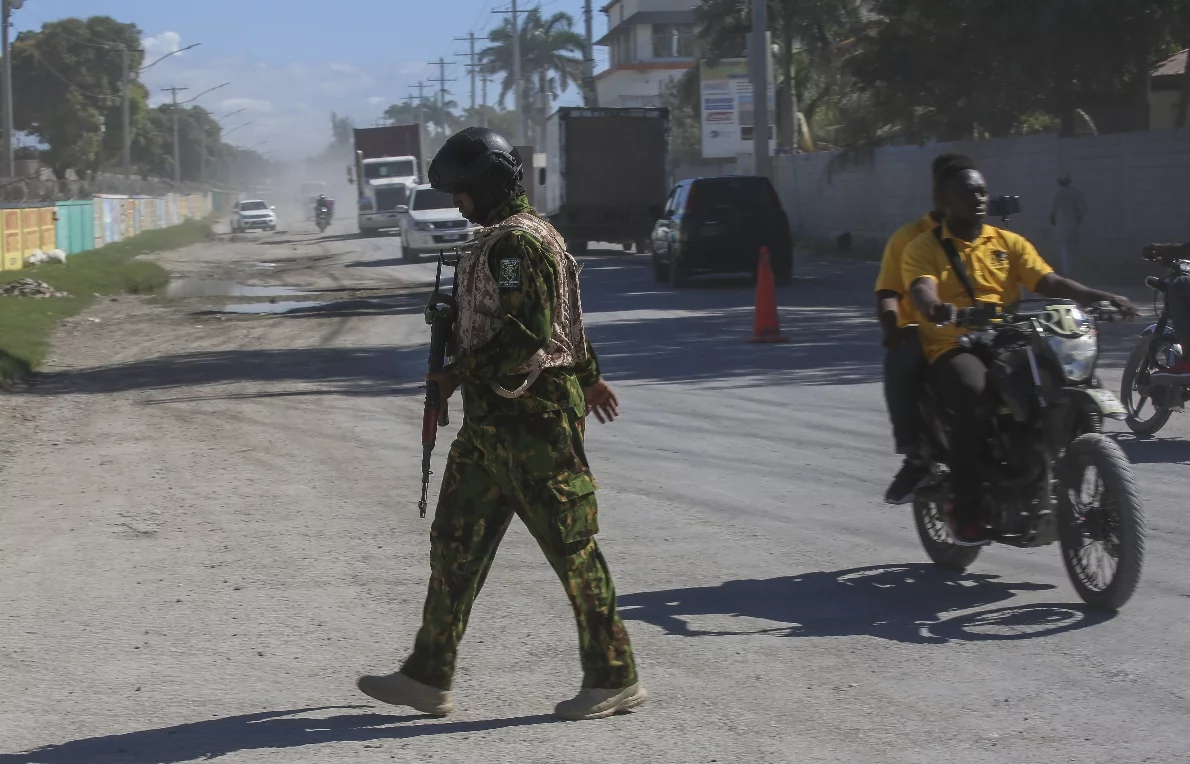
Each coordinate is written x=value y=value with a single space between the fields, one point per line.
x=903 y=372
x=960 y=381
x=1179 y=310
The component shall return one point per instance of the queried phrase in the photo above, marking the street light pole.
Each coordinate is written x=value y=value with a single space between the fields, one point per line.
x=177 y=143
x=127 y=81
x=127 y=141
x=5 y=15
x=760 y=96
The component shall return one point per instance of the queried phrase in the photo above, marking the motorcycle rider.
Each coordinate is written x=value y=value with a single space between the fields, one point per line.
x=997 y=263
x=903 y=360
x=1178 y=296
x=322 y=204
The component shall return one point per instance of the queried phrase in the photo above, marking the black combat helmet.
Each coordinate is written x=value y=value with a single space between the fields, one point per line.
x=477 y=155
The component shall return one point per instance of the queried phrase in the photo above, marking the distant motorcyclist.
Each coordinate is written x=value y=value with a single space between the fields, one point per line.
x=1178 y=295
x=324 y=205
x=997 y=264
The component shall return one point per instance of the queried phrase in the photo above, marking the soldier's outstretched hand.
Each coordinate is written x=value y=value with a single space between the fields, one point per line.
x=602 y=401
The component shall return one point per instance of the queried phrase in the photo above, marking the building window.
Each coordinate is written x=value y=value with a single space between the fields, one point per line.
x=673 y=41
x=622 y=52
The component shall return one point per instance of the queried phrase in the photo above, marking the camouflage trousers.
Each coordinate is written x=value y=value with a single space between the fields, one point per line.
x=533 y=466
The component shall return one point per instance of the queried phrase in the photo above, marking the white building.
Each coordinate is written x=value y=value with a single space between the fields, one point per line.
x=650 y=43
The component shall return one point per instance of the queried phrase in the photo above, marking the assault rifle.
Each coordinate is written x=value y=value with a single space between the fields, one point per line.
x=440 y=315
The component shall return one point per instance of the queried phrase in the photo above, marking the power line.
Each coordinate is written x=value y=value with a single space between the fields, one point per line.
x=67 y=81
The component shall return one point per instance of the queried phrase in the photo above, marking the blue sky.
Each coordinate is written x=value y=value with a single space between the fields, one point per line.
x=292 y=62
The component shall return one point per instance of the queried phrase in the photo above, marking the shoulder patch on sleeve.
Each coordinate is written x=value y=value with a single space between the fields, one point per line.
x=508 y=276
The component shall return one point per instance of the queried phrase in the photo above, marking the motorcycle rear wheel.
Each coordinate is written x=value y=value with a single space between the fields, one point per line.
x=931 y=529
x=1133 y=401
x=1100 y=522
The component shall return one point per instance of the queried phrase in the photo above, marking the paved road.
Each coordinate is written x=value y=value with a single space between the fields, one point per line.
x=210 y=529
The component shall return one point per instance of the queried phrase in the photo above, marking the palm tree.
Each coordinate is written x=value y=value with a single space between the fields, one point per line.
x=551 y=60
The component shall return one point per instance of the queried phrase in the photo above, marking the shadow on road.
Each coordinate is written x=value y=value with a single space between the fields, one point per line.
x=649 y=332
x=339 y=371
x=1154 y=450
x=901 y=603
x=253 y=732
x=643 y=333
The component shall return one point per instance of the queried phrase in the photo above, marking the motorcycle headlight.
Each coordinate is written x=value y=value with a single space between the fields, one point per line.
x=1077 y=355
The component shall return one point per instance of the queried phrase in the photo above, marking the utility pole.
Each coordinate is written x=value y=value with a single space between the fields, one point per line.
x=590 y=98
x=177 y=141
x=5 y=20
x=760 y=98
x=471 y=66
x=484 y=118
x=442 y=91
x=516 y=75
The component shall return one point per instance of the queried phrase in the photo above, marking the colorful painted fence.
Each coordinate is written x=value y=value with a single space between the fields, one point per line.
x=79 y=226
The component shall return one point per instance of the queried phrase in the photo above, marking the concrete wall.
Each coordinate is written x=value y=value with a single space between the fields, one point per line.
x=1137 y=187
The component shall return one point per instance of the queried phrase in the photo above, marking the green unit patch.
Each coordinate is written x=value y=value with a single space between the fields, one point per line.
x=509 y=276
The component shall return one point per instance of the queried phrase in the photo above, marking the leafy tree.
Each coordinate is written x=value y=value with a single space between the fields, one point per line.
x=67 y=89
x=944 y=69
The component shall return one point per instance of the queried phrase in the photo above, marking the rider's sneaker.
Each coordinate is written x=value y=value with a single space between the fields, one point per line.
x=912 y=472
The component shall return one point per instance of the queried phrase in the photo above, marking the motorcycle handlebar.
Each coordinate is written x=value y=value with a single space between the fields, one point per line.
x=1165 y=254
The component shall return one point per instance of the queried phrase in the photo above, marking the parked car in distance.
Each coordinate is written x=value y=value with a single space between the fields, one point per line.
x=718 y=225
x=253 y=215
x=431 y=222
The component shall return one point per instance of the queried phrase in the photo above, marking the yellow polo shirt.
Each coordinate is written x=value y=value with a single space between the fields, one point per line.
x=889 y=279
x=998 y=264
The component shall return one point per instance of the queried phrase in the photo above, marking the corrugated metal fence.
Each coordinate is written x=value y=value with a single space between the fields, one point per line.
x=79 y=226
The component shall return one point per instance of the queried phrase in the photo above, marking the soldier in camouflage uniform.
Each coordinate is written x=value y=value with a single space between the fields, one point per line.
x=529 y=377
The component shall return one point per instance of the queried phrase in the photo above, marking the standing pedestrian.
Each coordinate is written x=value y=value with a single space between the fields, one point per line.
x=529 y=378
x=1067 y=213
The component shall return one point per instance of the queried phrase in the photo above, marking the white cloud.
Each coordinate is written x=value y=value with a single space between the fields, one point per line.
x=162 y=44
x=342 y=68
x=377 y=100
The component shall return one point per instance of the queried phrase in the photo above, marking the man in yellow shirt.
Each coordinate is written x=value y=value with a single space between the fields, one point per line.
x=903 y=360
x=997 y=263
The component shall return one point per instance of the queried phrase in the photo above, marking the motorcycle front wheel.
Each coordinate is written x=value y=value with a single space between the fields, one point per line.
x=1141 y=420
x=1100 y=522
x=935 y=538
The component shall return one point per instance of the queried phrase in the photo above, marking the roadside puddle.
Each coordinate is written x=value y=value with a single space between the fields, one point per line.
x=185 y=287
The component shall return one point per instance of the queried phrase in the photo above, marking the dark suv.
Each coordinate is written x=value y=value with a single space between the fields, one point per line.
x=718 y=225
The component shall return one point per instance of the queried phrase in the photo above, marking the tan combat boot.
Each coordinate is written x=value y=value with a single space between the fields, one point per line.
x=399 y=690
x=597 y=704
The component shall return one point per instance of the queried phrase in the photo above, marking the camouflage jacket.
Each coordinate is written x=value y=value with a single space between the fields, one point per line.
x=526 y=328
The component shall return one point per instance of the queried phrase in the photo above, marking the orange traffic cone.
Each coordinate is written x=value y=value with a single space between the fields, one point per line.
x=767 y=326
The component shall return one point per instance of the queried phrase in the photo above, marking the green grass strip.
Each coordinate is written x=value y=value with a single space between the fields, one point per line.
x=26 y=323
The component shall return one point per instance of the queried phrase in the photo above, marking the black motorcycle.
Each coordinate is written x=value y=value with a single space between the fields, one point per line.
x=322 y=219
x=1149 y=392
x=1049 y=475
